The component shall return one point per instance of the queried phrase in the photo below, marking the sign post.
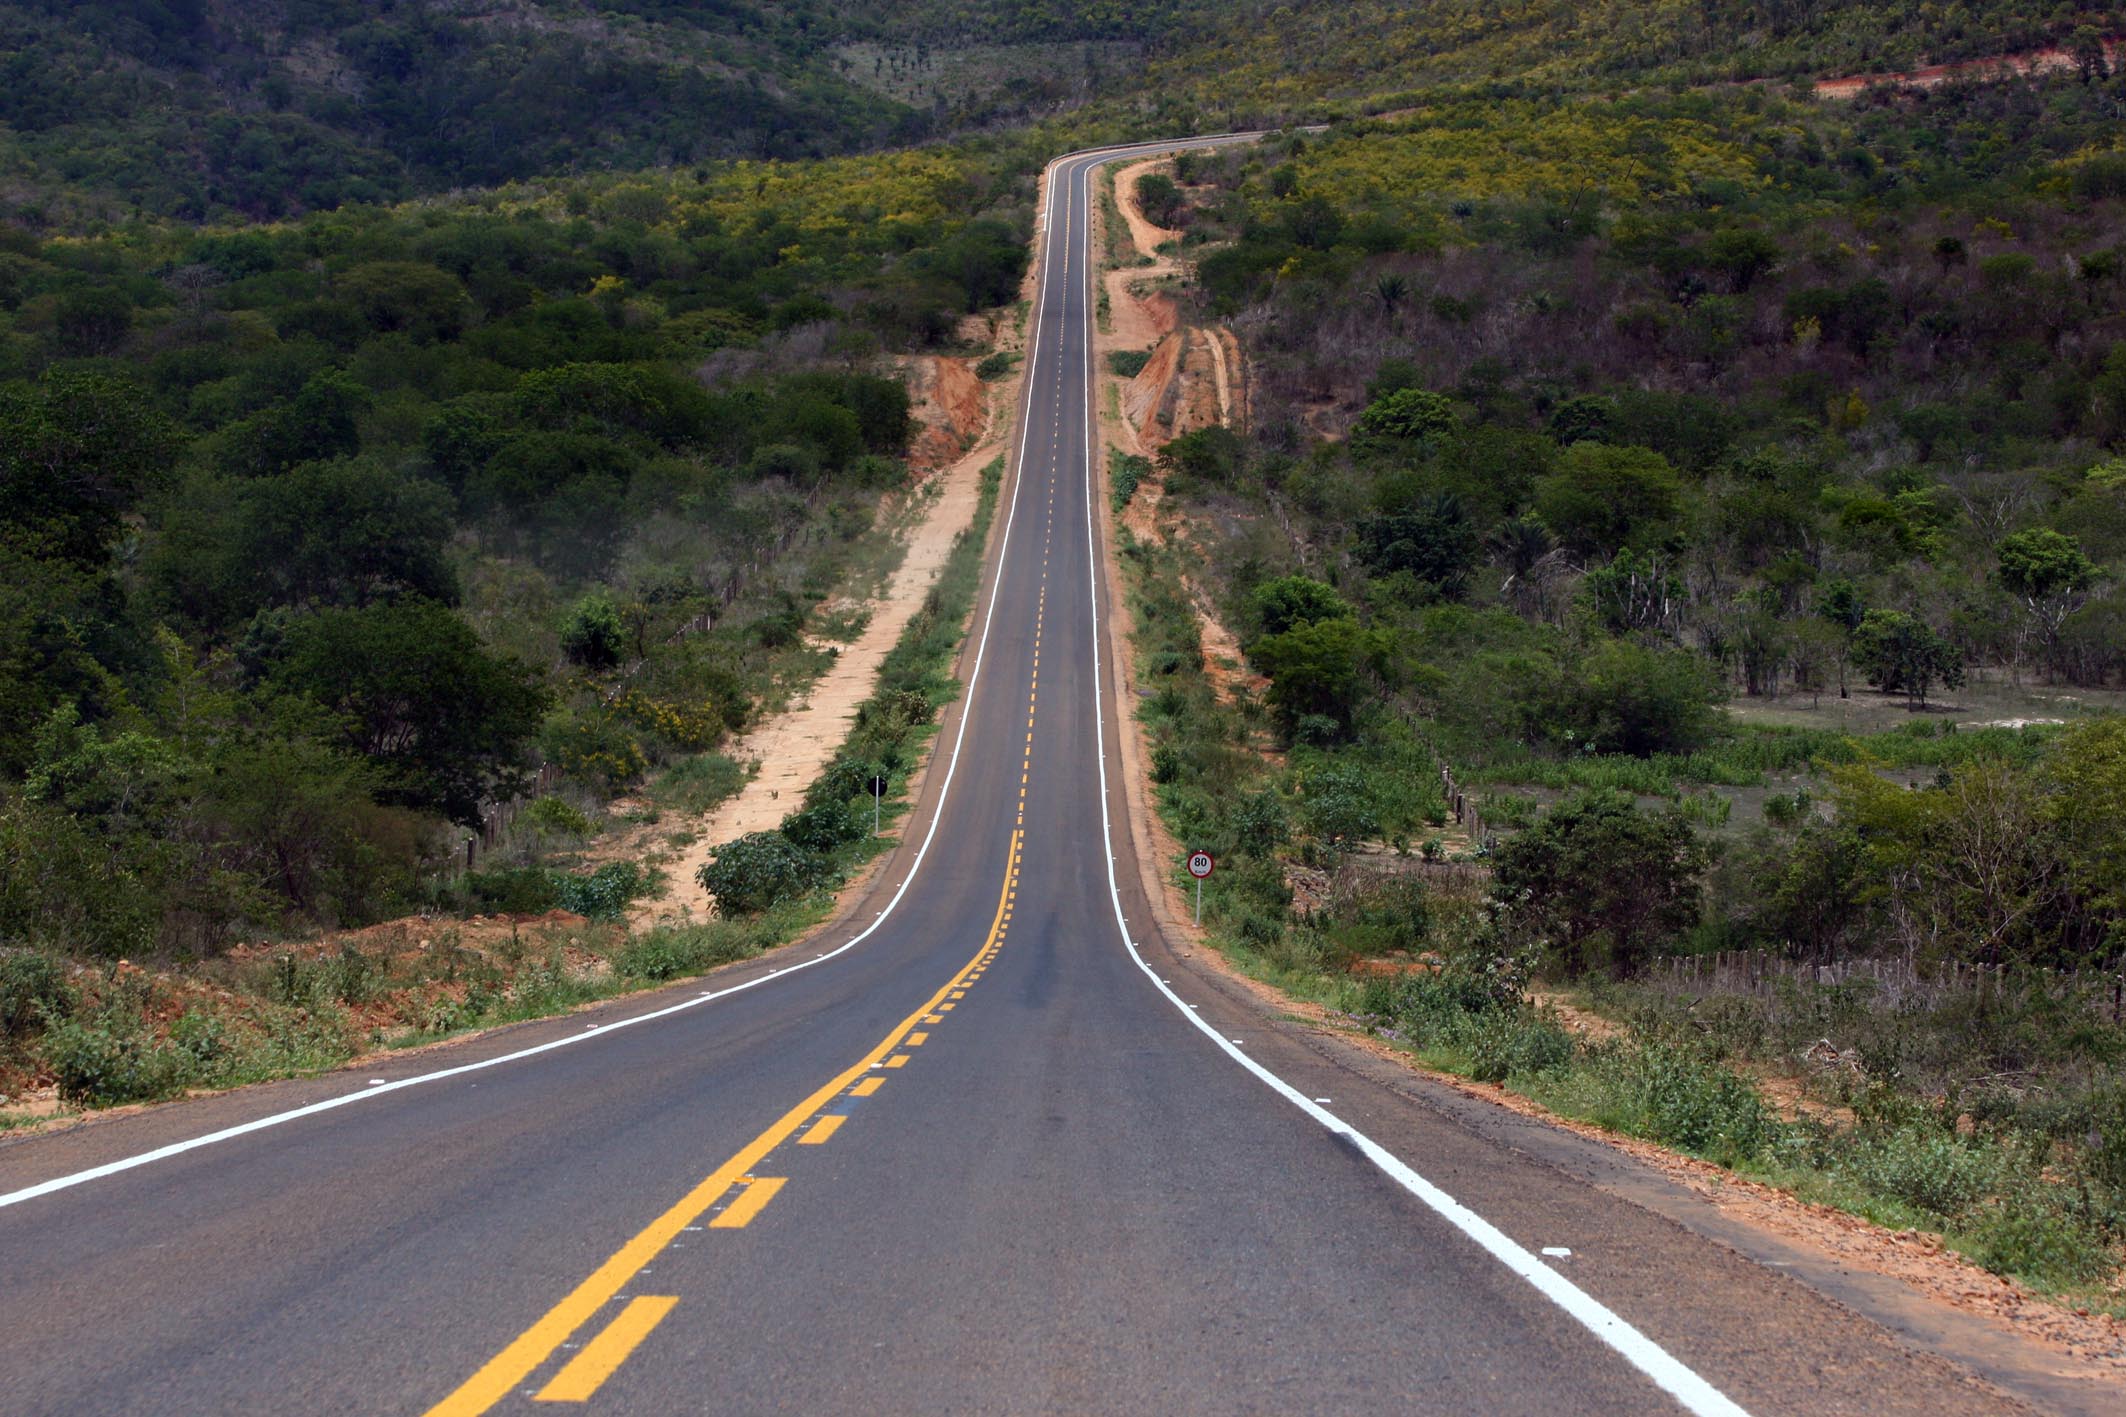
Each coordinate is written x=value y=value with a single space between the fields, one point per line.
x=1199 y=866
x=878 y=791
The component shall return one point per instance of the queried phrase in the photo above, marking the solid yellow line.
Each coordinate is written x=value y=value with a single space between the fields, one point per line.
x=867 y=1087
x=503 y=1373
x=588 y=1370
x=750 y=1202
x=825 y=1127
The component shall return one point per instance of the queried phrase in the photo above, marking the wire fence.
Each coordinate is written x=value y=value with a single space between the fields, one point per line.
x=1894 y=979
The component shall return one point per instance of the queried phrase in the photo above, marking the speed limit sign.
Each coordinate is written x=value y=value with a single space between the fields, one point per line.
x=1199 y=866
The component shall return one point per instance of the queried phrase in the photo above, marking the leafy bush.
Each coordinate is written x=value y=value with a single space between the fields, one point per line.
x=1621 y=696
x=33 y=993
x=97 y=1067
x=1921 y=1164
x=1126 y=471
x=2032 y=1235
x=758 y=870
x=559 y=818
x=603 y=894
x=822 y=826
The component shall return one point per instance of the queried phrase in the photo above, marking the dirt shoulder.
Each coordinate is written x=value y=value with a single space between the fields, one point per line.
x=792 y=748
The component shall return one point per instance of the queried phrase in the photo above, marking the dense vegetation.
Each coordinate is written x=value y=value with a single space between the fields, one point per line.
x=1274 y=61
x=1783 y=400
x=1717 y=484
x=319 y=536
x=266 y=108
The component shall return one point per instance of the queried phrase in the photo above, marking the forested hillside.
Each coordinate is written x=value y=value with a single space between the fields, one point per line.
x=318 y=535
x=1280 y=60
x=1678 y=520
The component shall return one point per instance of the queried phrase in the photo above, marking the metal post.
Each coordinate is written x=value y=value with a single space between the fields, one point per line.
x=1199 y=900
x=875 y=795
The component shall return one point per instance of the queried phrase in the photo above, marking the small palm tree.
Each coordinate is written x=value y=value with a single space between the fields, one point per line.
x=1391 y=291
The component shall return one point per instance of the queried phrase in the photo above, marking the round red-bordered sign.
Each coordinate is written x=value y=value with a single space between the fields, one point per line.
x=1200 y=864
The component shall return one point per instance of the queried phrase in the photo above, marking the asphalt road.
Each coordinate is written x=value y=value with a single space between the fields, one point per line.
x=985 y=1158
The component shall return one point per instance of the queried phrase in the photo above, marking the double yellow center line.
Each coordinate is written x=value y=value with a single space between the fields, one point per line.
x=597 y=1360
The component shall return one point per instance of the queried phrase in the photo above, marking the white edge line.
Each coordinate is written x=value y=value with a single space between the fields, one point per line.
x=1694 y=1393
x=600 y=1031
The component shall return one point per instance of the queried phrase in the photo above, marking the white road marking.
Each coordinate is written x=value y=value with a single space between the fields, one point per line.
x=1694 y=1393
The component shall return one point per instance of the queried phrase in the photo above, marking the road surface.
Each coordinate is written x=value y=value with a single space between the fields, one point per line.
x=970 y=1151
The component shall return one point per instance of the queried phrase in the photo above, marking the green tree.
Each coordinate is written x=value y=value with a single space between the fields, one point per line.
x=593 y=635
x=319 y=423
x=1598 y=881
x=1291 y=601
x=1408 y=413
x=1604 y=499
x=78 y=451
x=1336 y=805
x=92 y=320
x=1160 y=199
x=2050 y=575
x=1901 y=654
x=1586 y=418
x=2087 y=774
x=410 y=297
x=1963 y=870
x=1742 y=255
x=1214 y=455
x=409 y=686
x=1621 y=696
x=1432 y=540
x=1632 y=592
x=1319 y=670
x=1314 y=222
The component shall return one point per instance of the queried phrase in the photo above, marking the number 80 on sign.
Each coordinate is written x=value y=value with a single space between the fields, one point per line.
x=1200 y=864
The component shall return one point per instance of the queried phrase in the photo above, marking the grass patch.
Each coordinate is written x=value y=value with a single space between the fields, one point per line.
x=2007 y=1197
x=698 y=784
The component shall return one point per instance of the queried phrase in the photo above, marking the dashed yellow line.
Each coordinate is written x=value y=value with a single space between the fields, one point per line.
x=754 y=1194
x=588 y=1370
x=825 y=1127
x=506 y=1371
